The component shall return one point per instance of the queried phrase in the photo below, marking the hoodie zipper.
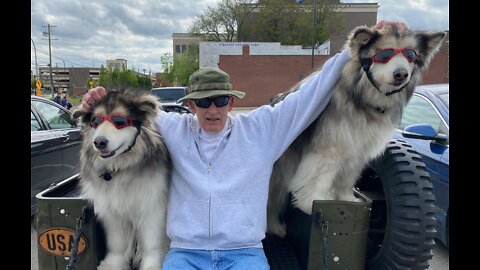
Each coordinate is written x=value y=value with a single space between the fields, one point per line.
x=209 y=169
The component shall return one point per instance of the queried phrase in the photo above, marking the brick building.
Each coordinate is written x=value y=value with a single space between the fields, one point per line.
x=263 y=76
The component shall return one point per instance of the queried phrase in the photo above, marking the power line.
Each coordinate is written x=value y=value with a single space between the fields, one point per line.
x=62 y=59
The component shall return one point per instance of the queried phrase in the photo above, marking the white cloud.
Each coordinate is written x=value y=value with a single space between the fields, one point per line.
x=140 y=31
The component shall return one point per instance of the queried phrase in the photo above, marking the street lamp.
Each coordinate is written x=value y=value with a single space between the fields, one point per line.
x=36 y=64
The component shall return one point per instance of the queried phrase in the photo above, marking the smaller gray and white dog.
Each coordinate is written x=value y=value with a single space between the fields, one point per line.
x=326 y=160
x=124 y=173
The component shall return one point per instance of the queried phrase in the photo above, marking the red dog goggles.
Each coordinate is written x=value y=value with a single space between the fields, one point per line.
x=383 y=56
x=118 y=120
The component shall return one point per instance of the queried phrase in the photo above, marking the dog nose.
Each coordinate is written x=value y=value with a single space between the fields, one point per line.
x=400 y=75
x=100 y=142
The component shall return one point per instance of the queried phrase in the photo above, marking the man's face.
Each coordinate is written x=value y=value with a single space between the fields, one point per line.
x=213 y=118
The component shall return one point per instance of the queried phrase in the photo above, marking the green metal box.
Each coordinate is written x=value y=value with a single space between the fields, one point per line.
x=334 y=237
x=60 y=212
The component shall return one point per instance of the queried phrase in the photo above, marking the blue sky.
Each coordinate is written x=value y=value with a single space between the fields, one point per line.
x=87 y=33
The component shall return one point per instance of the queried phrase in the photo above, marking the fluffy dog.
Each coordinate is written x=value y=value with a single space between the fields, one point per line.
x=124 y=173
x=324 y=162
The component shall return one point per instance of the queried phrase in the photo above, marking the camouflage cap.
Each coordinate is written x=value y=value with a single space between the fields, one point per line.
x=209 y=82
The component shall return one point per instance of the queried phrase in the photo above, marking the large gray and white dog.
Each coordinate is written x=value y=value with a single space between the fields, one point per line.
x=324 y=162
x=124 y=173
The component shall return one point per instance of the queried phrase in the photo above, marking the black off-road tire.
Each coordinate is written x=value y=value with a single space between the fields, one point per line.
x=402 y=219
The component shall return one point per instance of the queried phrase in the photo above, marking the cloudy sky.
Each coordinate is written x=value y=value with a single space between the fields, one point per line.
x=87 y=33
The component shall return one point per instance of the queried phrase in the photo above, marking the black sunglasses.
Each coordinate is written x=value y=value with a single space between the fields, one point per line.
x=219 y=101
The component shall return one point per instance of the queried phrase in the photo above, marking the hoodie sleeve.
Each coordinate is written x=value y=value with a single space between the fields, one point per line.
x=299 y=109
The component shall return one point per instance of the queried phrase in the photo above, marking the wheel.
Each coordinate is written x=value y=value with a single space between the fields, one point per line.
x=402 y=219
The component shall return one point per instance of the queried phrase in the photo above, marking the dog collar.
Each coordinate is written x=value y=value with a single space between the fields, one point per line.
x=366 y=63
x=107 y=176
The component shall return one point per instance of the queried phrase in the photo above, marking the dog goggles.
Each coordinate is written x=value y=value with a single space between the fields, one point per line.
x=118 y=120
x=219 y=101
x=383 y=56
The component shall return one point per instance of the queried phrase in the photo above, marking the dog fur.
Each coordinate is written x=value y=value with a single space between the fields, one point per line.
x=132 y=205
x=324 y=162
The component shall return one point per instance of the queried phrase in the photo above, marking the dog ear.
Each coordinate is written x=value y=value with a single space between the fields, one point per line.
x=82 y=114
x=429 y=44
x=78 y=113
x=360 y=36
x=148 y=106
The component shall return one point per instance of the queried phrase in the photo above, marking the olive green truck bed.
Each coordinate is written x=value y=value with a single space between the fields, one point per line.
x=335 y=238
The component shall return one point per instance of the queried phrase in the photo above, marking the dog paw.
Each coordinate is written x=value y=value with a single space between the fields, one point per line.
x=104 y=266
x=113 y=262
x=151 y=268
x=277 y=229
x=304 y=205
x=151 y=260
x=349 y=197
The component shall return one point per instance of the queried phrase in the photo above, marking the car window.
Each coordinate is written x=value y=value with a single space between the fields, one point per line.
x=35 y=125
x=177 y=109
x=169 y=94
x=56 y=117
x=420 y=111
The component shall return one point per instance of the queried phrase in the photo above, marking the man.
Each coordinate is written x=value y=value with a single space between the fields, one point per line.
x=222 y=166
x=58 y=98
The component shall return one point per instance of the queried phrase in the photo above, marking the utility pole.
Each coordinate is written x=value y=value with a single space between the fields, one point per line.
x=65 y=75
x=50 y=55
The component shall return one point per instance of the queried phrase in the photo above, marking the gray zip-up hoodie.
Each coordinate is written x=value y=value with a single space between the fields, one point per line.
x=221 y=203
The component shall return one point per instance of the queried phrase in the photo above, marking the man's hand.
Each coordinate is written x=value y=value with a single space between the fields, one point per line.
x=381 y=24
x=92 y=96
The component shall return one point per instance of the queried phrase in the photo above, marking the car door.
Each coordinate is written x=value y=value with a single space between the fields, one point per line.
x=65 y=128
x=420 y=110
x=46 y=157
x=60 y=158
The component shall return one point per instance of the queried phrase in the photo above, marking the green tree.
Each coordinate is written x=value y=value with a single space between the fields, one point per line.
x=223 y=22
x=167 y=64
x=185 y=64
x=177 y=69
x=33 y=83
x=121 y=79
x=282 y=21
x=292 y=24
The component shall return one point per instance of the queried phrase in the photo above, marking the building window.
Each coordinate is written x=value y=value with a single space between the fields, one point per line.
x=180 y=48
